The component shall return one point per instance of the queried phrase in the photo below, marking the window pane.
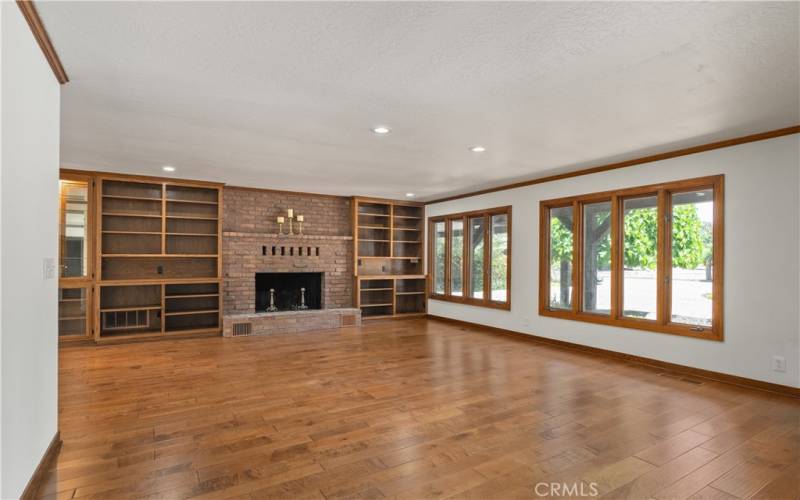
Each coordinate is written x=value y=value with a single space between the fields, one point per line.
x=457 y=258
x=438 y=257
x=499 y=255
x=476 y=247
x=73 y=244
x=597 y=257
x=561 y=258
x=72 y=305
x=640 y=243
x=692 y=265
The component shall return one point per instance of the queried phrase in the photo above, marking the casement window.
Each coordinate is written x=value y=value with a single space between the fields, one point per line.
x=470 y=257
x=649 y=258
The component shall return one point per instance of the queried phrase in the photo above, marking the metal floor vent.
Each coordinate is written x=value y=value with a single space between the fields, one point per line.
x=241 y=329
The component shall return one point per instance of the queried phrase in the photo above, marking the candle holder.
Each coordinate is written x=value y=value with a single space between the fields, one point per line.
x=302 y=306
x=291 y=219
x=272 y=307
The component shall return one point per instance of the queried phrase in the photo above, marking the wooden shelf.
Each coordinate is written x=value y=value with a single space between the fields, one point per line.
x=389 y=256
x=168 y=258
x=213 y=235
x=152 y=255
x=133 y=232
x=139 y=198
x=158 y=281
x=132 y=214
x=191 y=296
x=187 y=313
x=131 y=308
x=190 y=217
x=196 y=202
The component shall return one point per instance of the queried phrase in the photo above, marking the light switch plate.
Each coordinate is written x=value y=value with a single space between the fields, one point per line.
x=49 y=268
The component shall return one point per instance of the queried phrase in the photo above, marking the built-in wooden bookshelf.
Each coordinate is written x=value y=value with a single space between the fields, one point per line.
x=389 y=258
x=157 y=258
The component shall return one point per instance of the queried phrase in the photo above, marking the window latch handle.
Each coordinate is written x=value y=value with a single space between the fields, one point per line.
x=697 y=329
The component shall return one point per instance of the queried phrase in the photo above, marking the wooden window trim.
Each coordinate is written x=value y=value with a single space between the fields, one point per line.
x=663 y=323
x=467 y=257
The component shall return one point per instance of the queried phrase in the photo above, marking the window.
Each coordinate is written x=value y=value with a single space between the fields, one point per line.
x=561 y=247
x=457 y=257
x=470 y=257
x=477 y=248
x=647 y=258
x=438 y=257
x=499 y=258
x=597 y=258
x=639 y=255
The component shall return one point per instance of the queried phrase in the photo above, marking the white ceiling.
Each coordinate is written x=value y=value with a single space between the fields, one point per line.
x=283 y=95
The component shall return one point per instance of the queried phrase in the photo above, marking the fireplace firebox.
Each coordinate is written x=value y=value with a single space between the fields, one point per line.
x=287 y=290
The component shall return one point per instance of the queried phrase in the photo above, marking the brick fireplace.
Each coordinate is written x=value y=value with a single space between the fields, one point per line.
x=251 y=245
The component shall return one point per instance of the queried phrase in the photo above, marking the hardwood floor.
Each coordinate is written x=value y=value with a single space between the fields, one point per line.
x=408 y=409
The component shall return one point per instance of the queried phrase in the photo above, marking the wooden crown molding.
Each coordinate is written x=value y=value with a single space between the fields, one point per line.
x=784 y=390
x=628 y=163
x=134 y=177
x=43 y=39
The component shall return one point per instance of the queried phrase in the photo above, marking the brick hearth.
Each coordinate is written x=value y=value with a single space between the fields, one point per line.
x=292 y=321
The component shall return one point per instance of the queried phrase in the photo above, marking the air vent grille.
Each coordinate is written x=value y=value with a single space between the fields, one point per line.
x=241 y=329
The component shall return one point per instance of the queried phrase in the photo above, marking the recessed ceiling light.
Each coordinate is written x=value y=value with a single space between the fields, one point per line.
x=410 y=195
x=477 y=149
x=381 y=129
x=168 y=168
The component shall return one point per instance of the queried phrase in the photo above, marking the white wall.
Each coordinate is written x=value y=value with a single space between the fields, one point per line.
x=762 y=267
x=28 y=234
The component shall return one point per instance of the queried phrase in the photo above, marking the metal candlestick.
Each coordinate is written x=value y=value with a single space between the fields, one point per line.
x=272 y=307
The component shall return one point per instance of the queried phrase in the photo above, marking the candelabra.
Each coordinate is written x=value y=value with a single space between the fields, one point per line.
x=291 y=218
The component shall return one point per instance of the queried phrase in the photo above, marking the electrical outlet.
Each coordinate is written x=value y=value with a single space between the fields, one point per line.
x=48 y=268
x=778 y=364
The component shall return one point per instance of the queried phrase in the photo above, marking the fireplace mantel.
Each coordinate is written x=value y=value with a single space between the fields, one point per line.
x=286 y=237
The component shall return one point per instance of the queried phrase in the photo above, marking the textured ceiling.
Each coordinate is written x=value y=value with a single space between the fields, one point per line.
x=283 y=95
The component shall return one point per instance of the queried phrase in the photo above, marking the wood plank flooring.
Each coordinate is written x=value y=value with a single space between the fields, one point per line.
x=408 y=409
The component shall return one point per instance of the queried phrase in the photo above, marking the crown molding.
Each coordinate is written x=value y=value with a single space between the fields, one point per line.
x=627 y=163
x=43 y=39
